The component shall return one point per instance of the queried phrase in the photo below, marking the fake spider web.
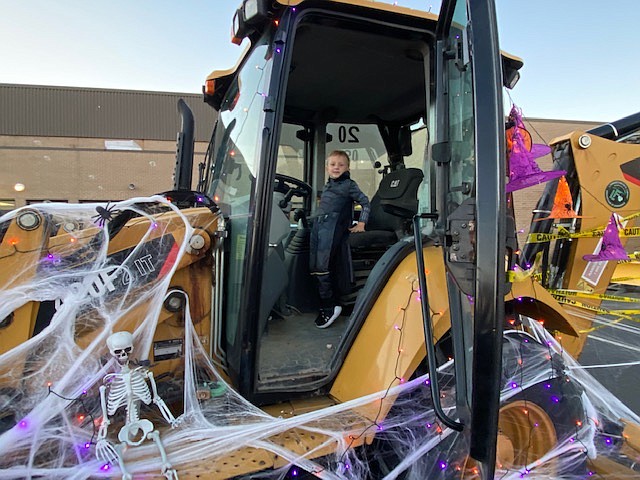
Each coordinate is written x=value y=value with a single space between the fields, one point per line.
x=49 y=382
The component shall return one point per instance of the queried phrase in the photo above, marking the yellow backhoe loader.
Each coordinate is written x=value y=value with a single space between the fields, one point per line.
x=446 y=361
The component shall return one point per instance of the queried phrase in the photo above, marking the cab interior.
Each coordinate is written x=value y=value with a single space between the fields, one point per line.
x=362 y=87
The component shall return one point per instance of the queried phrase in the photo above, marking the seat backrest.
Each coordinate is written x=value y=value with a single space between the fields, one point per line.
x=381 y=220
x=398 y=192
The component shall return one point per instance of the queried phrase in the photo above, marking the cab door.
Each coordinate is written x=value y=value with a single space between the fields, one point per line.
x=469 y=146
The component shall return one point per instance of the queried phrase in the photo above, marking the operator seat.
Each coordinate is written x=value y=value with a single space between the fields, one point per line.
x=394 y=202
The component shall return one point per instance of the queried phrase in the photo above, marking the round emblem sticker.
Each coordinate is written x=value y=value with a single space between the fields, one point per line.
x=617 y=194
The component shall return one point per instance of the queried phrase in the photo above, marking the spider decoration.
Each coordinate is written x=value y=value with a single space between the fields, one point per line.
x=105 y=214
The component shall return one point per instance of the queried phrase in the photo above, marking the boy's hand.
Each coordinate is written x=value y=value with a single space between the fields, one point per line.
x=359 y=227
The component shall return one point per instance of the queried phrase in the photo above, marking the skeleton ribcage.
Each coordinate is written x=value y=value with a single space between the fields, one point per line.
x=127 y=389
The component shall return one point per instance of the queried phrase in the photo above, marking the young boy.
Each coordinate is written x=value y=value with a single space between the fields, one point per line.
x=331 y=230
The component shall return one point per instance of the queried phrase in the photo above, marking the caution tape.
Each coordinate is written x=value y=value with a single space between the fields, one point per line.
x=632 y=232
x=599 y=296
x=520 y=276
x=575 y=303
x=623 y=279
x=619 y=314
x=611 y=322
x=564 y=234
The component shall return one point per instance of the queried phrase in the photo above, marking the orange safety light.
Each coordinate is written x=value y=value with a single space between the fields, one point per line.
x=210 y=86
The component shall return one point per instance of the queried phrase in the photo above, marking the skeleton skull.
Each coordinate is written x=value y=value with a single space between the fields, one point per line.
x=121 y=345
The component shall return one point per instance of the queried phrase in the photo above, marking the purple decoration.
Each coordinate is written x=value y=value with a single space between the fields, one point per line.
x=523 y=170
x=611 y=248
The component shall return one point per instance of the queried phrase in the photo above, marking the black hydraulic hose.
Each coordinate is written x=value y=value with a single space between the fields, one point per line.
x=428 y=329
x=617 y=129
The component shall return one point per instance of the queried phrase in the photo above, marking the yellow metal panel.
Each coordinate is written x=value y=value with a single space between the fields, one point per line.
x=627 y=274
x=20 y=254
x=373 y=5
x=545 y=308
x=390 y=344
x=597 y=166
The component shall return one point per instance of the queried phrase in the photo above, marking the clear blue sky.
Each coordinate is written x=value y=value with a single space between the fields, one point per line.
x=581 y=56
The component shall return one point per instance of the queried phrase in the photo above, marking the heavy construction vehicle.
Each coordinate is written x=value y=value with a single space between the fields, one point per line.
x=439 y=365
x=602 y=174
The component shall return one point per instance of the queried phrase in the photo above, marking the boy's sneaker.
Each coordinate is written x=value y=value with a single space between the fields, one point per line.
x=327 y=316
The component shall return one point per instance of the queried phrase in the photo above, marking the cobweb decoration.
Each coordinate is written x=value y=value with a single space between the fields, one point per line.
x=611 y=247
x=49 y=384
x=523 y=170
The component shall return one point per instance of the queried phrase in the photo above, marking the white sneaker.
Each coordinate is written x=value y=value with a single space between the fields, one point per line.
x=327 y=316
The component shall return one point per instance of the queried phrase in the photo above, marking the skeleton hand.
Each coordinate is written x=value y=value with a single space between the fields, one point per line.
x=169 y=472
x=164 y=410
x=176 y=421
x=105 y=452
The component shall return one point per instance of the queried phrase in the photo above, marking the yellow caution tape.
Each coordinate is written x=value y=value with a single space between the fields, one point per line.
x=623 y=279
x=574 y=303
x=600 y=296
x=620 y=314
x=563 y=233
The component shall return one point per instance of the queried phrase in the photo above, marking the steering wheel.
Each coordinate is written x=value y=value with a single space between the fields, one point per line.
x=291 y=187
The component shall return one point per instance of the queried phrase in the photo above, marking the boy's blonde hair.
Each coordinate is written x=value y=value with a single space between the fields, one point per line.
x=339 y=153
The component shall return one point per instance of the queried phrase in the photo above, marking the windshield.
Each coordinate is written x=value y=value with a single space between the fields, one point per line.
x=236 y=137
x=234 y=163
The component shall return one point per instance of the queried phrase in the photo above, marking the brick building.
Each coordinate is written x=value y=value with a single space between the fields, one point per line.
x=82 y=145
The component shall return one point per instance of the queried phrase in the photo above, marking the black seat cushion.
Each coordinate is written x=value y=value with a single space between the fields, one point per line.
x=372 y=239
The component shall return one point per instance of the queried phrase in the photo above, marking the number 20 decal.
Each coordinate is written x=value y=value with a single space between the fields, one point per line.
x=348 y=134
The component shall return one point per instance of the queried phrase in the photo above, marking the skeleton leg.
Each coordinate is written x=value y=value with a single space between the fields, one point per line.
x=167 y=471
x=120 y=449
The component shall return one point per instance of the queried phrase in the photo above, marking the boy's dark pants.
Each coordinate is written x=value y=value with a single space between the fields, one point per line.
x=330 y=259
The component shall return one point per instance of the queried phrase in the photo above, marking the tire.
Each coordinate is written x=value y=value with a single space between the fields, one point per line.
x=542 y=415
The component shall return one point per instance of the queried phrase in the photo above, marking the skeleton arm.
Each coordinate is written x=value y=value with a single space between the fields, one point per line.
x=164 y=410
x=104 y=450
x=104 y=424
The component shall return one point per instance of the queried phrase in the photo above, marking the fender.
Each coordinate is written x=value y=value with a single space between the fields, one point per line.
x=528 y=297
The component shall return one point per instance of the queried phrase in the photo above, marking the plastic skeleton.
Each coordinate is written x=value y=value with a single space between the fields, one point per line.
x=127 y=389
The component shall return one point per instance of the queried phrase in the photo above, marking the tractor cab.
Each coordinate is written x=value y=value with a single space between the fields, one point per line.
x=340 y=82
x=394 y=88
